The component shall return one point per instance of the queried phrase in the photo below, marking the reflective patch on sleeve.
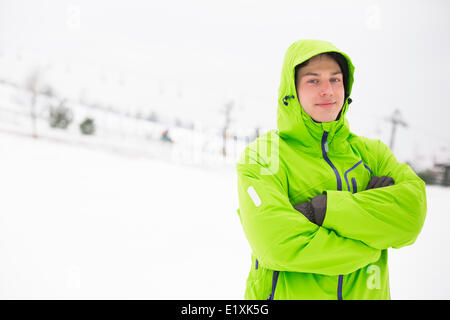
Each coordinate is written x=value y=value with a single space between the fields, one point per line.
x=254 y=196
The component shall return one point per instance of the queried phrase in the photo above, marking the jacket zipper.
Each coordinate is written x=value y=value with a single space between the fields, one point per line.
x=274 y=285
x=325 y=156
x=339 y=188
x=355 y=187
x=339 y=290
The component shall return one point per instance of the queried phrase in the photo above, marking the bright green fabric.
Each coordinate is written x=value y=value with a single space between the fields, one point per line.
x=286 y=166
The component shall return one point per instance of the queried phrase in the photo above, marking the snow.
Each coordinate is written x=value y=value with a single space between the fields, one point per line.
x=79 y=223
x=421 y=271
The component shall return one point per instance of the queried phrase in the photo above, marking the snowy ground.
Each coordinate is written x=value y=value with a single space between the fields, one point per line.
x=89 y=224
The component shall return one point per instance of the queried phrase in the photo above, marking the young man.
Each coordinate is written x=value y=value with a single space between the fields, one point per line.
x=320 y=205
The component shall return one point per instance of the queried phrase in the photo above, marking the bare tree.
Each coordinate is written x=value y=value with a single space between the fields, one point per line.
x=32 y=85
x=227 y=112
x=257 y=132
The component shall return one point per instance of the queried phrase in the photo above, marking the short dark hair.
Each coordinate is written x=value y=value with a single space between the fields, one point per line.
x=340 y=60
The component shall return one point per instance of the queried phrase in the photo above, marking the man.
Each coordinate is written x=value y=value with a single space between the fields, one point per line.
x=318 y=204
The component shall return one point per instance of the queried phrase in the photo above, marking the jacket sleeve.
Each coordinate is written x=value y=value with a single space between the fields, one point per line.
x=283 y=239
x=385 y=217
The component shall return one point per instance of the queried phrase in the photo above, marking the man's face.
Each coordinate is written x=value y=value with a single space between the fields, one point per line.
x=320 y=88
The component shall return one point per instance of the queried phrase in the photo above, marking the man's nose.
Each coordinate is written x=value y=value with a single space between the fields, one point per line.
x=326 y=89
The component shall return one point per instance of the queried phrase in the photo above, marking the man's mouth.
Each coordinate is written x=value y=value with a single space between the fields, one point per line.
x=326 y=104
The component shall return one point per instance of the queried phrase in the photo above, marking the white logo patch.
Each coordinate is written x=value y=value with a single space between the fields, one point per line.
x=254 y=196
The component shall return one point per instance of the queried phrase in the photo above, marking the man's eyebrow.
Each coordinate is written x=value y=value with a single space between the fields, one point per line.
x=316 y=74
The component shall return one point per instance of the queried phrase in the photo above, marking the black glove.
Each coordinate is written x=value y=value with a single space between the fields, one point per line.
x=314 y=210
x=378 y=182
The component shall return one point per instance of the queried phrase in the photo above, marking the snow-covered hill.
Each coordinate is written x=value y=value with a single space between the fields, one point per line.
x=88 y=224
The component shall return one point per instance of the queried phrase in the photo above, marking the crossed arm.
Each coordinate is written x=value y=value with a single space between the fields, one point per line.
x=385 y=215
x=355 y=227
x=316 y=209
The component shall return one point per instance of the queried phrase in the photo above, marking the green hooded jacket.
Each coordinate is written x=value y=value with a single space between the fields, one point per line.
x=346 y=257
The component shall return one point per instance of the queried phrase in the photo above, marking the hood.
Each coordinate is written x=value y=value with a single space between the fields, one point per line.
x=292 y=121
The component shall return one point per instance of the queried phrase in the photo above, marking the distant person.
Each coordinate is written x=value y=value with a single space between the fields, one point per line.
x=318 y=204
x=165 y=136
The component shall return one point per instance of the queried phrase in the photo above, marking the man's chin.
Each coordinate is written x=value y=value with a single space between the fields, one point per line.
x=320 y=119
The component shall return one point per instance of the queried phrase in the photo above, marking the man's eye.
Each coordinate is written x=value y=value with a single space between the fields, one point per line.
x=313 y=81
x=335 y=80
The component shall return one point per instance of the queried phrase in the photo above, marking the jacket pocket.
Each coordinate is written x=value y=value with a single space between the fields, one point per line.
x=360 y=176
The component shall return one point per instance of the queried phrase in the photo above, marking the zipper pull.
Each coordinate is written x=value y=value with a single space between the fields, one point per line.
x=326 y=146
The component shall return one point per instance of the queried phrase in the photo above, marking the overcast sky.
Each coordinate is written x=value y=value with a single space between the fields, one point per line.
x=189 y=58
